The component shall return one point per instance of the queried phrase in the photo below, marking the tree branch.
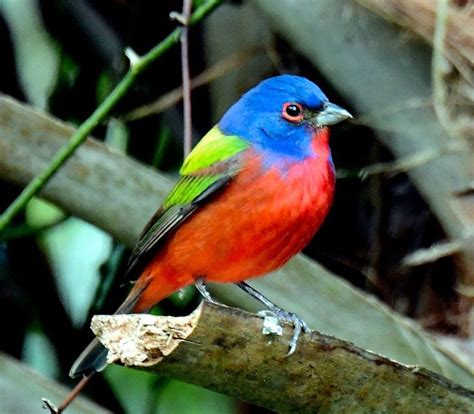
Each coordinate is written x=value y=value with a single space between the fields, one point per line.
x=223 y=349
x=186 y=80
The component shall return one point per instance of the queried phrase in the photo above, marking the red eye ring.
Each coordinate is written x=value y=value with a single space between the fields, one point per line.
x=292 y=112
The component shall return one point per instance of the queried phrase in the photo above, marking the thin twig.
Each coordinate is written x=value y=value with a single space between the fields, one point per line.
x=69 y=398
x=433 y=253
x=99 y=115
x=409 y=104
x=188 y=139
x=410 y=162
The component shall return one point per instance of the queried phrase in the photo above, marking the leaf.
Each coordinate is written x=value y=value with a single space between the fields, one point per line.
x=179 y=397
x=131 y=387
x=76 y=250
x=142 y=392
x=38 y=352
x=37 y=59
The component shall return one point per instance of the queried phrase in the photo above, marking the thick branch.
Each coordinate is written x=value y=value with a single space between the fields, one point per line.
x=223 y=349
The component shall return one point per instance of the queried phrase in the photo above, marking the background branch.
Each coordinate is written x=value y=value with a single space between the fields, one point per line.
x=223 y=349
x=87 y=187
x=188 y=139
x=22 y=388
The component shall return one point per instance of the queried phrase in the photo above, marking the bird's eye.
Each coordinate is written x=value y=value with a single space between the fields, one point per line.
x=293 y=112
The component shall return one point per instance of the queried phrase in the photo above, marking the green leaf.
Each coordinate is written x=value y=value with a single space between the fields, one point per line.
x=131 y=387
x=36 y=56
x=76 y=250
x=40 y=213
x=38 y=352
x=178 y=397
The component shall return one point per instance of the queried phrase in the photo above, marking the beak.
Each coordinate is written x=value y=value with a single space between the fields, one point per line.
x=330 y=115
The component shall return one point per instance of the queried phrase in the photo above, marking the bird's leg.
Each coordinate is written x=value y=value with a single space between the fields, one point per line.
x=298 y=323
x=201 y=287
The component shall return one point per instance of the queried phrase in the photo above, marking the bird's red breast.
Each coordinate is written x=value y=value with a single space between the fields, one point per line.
x=256 y=224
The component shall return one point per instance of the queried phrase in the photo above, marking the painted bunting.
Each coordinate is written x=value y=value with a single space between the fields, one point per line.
x=251 y=195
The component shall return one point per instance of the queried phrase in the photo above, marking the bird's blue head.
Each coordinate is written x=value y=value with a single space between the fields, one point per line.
x=281 y=114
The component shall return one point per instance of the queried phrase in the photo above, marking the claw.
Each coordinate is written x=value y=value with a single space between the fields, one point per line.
x=201 y=287
x=298 y=326
x=269 y=327
x=283 y=316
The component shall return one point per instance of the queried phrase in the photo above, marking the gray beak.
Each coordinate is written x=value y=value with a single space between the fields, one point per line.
x=330 y=115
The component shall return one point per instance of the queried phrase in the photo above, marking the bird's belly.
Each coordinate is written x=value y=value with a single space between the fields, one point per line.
x=258 y=222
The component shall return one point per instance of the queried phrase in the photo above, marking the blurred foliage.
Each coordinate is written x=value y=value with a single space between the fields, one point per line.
x=65 y=57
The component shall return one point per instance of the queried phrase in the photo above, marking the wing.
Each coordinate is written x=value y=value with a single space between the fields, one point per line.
x=209 y=167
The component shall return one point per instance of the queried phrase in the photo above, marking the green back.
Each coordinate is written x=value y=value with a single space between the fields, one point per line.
x=210 y=161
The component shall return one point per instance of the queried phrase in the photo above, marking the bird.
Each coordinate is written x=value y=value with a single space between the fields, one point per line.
x=251 y=194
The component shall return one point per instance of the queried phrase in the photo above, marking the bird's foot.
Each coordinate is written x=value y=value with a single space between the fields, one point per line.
x=272 y=319
x=201 y=287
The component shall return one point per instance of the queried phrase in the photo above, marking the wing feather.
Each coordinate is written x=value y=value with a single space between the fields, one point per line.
x=206 y=171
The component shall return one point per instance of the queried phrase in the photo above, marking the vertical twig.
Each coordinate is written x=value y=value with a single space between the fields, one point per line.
x=186 y=79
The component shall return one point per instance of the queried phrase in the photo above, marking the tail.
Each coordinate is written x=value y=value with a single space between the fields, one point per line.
x=146 y=292
x=94 y=357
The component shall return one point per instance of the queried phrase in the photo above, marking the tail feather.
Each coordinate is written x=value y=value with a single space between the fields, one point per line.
x=94 y=357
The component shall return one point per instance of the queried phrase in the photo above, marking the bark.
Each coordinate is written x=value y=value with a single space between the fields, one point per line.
x=223 y=349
